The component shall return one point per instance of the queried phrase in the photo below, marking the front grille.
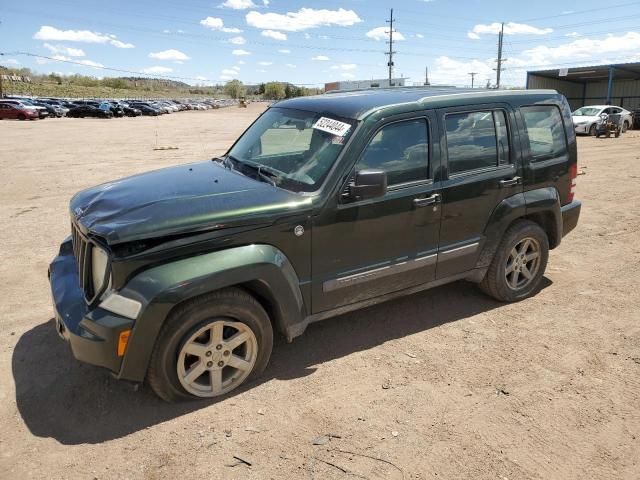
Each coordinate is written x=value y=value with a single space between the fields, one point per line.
x=82 y=252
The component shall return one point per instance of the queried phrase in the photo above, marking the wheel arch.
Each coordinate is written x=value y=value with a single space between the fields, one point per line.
x=261 y=270
x=541 y=206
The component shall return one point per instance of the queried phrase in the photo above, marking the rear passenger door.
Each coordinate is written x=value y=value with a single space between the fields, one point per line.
x=482 y=167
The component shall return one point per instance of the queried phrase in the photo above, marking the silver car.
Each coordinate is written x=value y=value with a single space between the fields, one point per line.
x=586 y=118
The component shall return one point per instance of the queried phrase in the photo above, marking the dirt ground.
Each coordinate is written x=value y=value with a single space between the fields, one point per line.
x=443 y=384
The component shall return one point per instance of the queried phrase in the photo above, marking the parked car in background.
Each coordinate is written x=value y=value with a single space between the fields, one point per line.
x=54 y=111
x=146 y=109
x=130 y=111
x=81 y=111
x=17 y=112
x=42 y=112
x=585 y=119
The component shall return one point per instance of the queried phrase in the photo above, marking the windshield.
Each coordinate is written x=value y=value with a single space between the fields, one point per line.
x=587 y=112
x=298 y=148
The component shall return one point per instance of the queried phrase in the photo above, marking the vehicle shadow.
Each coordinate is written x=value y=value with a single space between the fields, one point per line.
x=75 y=403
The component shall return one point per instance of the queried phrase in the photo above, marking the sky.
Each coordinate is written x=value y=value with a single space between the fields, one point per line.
x=310 y=42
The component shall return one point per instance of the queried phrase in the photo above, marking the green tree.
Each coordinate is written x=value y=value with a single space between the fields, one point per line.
x=234 y=88
x=274 y=91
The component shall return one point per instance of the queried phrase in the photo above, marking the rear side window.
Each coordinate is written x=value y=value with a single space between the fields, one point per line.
x=477 y=140
x=545 y=130
x=402 y=150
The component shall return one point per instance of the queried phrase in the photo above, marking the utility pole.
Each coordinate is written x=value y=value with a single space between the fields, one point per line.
x=473 y=75
x=426 y=76
x=391 y=51
x=499 y=69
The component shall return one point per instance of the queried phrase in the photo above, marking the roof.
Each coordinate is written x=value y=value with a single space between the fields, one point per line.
x=593 y=73
x=358 y=104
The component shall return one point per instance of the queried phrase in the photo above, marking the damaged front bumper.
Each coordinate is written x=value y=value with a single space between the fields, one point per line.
x=92 y=333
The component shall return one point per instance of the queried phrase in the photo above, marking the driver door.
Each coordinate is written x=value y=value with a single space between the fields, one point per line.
x=367 y=248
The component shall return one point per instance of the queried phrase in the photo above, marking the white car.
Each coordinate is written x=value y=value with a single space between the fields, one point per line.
x=585 y=118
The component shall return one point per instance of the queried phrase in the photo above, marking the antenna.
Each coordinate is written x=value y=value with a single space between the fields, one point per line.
x=391 y=51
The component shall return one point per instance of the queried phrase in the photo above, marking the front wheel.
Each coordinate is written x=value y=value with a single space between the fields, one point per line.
x=592 y=130
x=210 y=346
x=22 y=117
x=519 y=263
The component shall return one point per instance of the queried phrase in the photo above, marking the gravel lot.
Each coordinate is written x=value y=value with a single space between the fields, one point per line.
x=443 y=384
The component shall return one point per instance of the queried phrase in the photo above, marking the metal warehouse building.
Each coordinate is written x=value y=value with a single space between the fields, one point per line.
x=617 y=84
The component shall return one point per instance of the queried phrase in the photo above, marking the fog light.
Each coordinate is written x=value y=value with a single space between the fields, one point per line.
x=123 y=339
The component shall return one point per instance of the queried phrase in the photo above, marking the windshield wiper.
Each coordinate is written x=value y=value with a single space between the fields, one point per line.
x=264 y=173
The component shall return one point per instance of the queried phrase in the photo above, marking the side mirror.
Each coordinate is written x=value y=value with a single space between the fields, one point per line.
x=368 y=184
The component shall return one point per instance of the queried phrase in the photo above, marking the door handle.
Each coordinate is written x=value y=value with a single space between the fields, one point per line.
x=425 y=202
x=511 y=182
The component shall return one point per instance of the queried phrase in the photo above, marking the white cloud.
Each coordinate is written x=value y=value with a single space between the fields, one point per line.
x=284 y=50
x=237 y=40
x=510 y=28
x=265 y=64
x=239 y=4
x=240 y=52
x=261 y=70
x=230 y=30
x=229 y=71
x=166 y=31
x=240 y=62
x=171 y=54
x=49 y=33
x=226 y=77
x=290 y=65
x=275 y=35
x=347 y=75
x=382 y=33
x=307 y=36
x=419 y=35
x=573 y=34
x=91 y=63
x=321 y=58
x=453 y=72
x=212 y=22
x=235 y=67
x=62 y=50
x=11 y=61
x=157 y=70
x=303 y=19
x=345 y=66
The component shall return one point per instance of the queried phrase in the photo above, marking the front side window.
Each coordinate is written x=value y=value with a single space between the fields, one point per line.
x=545 y=130
x=477 y=140
x=294 y=147
x=400 y=149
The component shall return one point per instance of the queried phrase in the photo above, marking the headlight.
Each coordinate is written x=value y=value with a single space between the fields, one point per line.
x=99 y=262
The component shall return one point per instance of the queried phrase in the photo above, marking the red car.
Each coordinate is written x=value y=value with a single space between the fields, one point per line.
x=8 y=110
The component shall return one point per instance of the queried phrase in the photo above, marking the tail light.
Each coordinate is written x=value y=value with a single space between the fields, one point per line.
x=573 y=175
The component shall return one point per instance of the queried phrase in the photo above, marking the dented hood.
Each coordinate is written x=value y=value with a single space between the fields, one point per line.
x=187 y=198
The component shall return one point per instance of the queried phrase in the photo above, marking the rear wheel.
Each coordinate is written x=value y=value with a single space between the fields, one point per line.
x=592 y=130
x=210 y=346
x=625 y=126
x=519 y=263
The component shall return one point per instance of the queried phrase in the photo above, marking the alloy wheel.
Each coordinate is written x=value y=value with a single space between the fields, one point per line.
x=217 y=358
x=522 y=264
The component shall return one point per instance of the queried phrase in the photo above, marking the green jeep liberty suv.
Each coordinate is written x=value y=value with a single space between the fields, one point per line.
x=324 y=205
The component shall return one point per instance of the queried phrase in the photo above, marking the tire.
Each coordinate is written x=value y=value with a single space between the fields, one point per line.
x=22 y=117
x=592 y=130
x=625 y=126
x=229 y=312
x=498 y=282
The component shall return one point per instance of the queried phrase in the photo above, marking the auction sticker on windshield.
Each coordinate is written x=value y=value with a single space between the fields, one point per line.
x=332 y=126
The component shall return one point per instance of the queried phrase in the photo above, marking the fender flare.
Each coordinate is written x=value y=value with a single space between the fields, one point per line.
x=541 y=205
x=161 y=288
